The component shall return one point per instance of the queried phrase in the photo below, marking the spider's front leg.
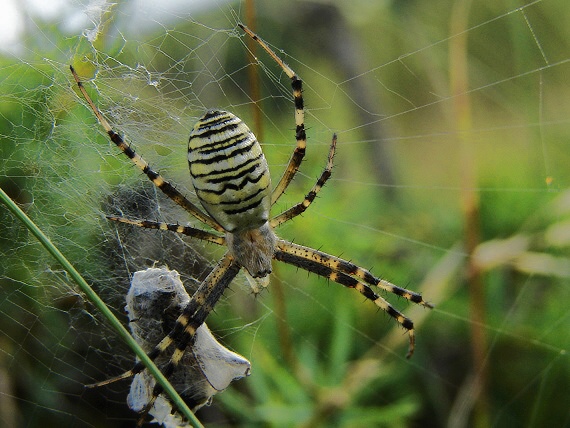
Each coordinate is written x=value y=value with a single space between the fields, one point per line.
x=300 y=208
x=165 y=186
x=300 y=134
x=176 y=228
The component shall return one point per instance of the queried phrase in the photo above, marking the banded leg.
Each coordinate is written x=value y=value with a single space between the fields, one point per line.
x=167 y=188
x=193 y=315
x=204 y=303
x=300 y=208
x=349 y=275
x=300 y=135
x=177 y=228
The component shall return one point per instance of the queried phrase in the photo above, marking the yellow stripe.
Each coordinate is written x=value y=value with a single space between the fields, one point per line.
x=177 y=356
x=183 y=320
x=190 y=330
x=164 y=343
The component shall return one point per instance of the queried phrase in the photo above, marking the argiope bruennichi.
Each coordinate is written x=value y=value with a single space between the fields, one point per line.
x=231 y=178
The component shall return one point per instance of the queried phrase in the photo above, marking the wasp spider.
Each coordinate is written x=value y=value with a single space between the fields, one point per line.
x=231 y=179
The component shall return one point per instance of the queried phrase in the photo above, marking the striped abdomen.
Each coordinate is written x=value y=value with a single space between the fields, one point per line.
x=229 y=171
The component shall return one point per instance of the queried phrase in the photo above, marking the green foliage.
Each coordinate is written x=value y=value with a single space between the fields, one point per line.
x=320 y=355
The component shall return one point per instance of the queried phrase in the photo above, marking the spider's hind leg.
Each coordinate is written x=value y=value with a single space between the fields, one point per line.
x=193 y=316
x=350 y=275
x=165 y=186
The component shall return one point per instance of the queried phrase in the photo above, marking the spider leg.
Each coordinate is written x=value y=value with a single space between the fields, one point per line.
x=348 y=274
x=300 y=208
x=300 y=135
x=177 y=228
x=200 y=306
x=167 y=188
x=192 y=317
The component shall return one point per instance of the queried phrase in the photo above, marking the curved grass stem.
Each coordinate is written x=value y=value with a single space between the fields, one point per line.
x=102 y=307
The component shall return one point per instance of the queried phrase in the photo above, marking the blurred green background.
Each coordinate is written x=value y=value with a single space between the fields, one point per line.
x=451 y=179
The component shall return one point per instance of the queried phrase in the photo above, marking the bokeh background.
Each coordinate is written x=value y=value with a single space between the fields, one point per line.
x=451 y=179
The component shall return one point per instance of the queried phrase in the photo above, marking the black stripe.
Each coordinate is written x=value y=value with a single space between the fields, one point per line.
x=232 y=186
x=347 y=267
x=208 y=130
x=367 y=292
x=240 y=201
x=414 y=297
x=224 y=156
x=370 y=279
x=297 y=85
x=300 y=134
x=394 y=313
x=408 y=324
x=228 y=143
x=216 y=146
x=118 y=140
x=153 y=175
x=212 y=113
x=244 y=209
x=239 y=172
x=223 y=172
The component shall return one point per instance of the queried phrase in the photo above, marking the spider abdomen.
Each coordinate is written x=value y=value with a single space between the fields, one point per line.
x=229 y=171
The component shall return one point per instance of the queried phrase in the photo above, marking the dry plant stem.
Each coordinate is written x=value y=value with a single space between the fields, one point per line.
x=283 y=328
x=459 y=80
x=253 y=72
x=277 y=285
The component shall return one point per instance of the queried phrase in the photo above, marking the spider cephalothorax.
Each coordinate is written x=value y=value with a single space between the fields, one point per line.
x=231 y=179
x=253 y=249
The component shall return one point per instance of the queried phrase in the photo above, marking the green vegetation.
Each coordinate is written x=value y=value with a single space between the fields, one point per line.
x=451 y=179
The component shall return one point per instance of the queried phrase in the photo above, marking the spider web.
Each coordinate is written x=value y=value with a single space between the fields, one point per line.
x=451 y=179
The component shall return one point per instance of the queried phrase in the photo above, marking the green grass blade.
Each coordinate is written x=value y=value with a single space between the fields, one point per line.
x=102 y=307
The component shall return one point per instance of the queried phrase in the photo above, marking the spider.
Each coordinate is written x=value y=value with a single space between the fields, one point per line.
x=231 y=178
